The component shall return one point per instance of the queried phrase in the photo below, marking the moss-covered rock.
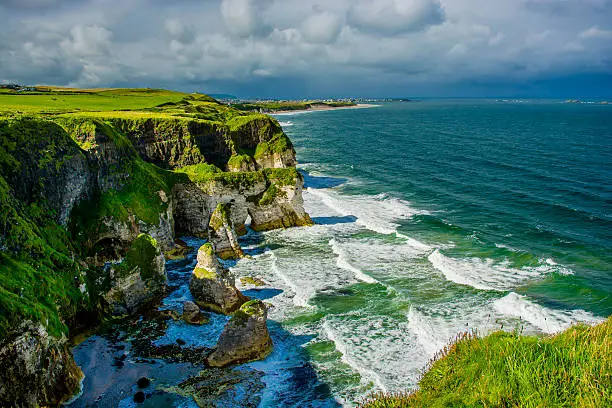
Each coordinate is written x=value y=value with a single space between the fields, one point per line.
x=244 y=338
x=212 y=286
x=139 y=279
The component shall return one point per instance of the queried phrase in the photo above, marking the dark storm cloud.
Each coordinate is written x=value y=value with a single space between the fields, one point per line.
x=306 y=47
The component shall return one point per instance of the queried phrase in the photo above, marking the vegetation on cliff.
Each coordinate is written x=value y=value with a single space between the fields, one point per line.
x=572 y=368
x=74 y=164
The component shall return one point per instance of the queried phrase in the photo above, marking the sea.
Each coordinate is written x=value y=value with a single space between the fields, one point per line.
x=432 y=218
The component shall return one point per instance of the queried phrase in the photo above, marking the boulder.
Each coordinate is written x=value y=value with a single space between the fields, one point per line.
x=192 y=313
x=245 y=337
x=36 y=368
x=213 y=286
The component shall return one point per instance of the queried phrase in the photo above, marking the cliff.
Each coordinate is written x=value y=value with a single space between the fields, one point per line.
x=91 y=199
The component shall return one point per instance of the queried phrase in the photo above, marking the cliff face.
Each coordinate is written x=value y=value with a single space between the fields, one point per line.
x=79 y=191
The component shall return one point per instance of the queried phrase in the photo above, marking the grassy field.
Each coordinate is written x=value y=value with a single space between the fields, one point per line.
x=61 y=100
x=571 y=369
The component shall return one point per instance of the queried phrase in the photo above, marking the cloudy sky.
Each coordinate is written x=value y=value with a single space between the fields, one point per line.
x=314 y=48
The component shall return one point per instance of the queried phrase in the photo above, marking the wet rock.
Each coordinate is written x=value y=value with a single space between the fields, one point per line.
x=249 y=280
x=244 y=338
x=139 y=397
x=224 y=388
x=214 y=286
x=143 y=382
x=36 y=369
x=192 y=314
x=180 y=342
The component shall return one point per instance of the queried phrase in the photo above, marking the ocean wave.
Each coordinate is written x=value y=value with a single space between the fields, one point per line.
x=547 y=320
x=301 y=296
x=344 y=263
x=378 y=213
x=286 y=124
x=485 y=274
x=347 y=357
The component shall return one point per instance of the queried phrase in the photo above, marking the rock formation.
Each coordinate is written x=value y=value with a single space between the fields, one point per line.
x=244 y=338
x=213 y=286
x=89 y=203
x=139 y=279
x=36 y=369
x=222 y=234
x=192 y=314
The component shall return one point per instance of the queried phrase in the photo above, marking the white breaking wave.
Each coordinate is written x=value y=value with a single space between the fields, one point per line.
x=344 y=263
x=300 y=297
x=547 y=320
x=348 y=359
x=377 y=213
x=286 y=124
x=485 y=274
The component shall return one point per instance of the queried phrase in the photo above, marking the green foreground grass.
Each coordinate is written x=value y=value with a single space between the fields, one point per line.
x=570 y=369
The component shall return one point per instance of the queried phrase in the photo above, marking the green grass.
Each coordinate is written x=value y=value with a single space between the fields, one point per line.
x=570 y=369
x=93 y=100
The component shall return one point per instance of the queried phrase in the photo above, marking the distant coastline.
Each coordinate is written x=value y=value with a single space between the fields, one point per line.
x=315 y=108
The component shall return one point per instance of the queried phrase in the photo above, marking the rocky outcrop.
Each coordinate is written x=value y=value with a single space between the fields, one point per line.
x=244 y=338
x=222 y=234
x=192 y=314
x=281 y=205
x=36 y=369
x=138 y=280
x=213 y=286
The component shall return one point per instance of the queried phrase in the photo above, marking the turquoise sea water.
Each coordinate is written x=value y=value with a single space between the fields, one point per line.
x=432 y=218
x=437 y=217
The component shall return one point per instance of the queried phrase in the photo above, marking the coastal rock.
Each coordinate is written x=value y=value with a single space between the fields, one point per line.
x=222 y=234
x=244 y=338
x=36 y=369
x=139 y=279
x=213 y=286
x=192 y=314
x=281 y=205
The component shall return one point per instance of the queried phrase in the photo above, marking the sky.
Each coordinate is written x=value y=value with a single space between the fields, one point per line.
x=314 y=48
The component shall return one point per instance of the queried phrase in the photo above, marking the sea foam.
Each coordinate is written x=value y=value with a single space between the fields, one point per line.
x=547 y=320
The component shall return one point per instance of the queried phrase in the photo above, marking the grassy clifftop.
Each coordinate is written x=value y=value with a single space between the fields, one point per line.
x=570 y=369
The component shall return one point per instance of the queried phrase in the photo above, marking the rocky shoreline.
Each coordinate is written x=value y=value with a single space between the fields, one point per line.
x=119 y=192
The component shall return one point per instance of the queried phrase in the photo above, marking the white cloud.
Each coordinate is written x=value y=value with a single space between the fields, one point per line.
x=596 y=32
x=243 y=18
x=87 y=41
x=321 y=27
x=395 y=16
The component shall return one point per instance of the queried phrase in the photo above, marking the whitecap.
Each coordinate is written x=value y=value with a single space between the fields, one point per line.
x=486 y=274
x=547 y=320
x=344 y=263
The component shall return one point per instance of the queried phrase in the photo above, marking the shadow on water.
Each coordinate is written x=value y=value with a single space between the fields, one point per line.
x=317 y=182
x=171 y=354
x=347 y=219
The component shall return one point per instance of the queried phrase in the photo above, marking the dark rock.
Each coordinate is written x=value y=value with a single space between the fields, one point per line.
x=180 y=342
x=36 y=369
x=139 y=397
x=143 y=382
x=192 y=313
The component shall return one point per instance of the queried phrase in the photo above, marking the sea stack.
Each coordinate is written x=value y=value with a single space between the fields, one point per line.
x=244 y=338
x=213 y=286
